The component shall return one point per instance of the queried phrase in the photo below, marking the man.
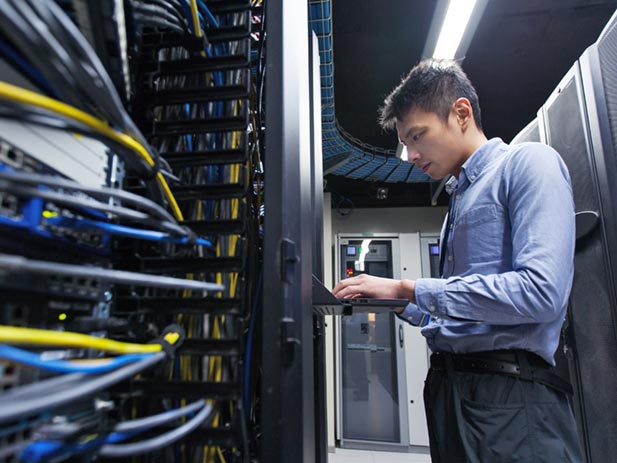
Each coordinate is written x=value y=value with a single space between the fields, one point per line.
x=507 y=265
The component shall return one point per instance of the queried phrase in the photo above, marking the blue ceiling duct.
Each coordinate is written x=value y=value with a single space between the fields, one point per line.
x=342 y=153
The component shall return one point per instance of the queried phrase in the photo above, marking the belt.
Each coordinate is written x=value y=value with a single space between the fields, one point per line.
x=517 y=363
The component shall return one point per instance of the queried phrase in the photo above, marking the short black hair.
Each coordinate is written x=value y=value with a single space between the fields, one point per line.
x=433 y=86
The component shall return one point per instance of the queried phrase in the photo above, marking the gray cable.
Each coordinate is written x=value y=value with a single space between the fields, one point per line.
x=41 y=387
x=163 y=440
x=157 y=420
x=48 y=180
x=12 y=263
x=74 y=201
x=84 y=48
x=54 y=398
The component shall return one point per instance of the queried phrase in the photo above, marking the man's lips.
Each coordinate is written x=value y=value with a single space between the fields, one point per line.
x=425 y=167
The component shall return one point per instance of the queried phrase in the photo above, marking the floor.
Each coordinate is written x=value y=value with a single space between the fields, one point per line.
x=366 y=456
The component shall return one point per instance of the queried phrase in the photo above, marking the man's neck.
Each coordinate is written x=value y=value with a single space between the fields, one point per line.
x=472 y=142
x=475 y=141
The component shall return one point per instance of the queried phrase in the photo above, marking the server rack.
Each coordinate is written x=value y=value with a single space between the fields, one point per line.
x=579 y=121
x=192 y=98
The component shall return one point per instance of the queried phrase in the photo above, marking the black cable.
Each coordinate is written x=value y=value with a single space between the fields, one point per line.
x=23 y=36
x=11 y=410
x=41 y=267
x=79 y=58
x=85 y=89
x=58 y=62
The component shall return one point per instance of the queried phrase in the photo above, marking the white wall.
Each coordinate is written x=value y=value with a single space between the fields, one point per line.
x=423 y=220
x=390 y=220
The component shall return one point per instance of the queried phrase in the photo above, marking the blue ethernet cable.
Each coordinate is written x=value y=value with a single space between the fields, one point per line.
x=203 y=7
x=189 y=138
x=122 y=230
x=46 y=450
x=24 y=357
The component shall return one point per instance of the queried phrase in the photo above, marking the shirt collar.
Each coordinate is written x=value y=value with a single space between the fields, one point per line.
x=451 y=184
x=476 y=163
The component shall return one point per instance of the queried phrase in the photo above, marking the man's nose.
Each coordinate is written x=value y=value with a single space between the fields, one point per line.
x=412 y=155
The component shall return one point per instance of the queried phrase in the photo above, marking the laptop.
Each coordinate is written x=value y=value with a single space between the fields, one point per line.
x=325 y=303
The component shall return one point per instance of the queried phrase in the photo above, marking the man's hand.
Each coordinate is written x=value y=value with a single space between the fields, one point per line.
x=375 y=287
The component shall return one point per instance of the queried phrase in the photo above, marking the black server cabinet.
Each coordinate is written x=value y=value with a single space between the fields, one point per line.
x=288 y=397
x=579 y=121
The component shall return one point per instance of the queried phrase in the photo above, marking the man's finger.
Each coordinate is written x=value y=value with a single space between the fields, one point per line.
x=344 y=284
x=349 y=292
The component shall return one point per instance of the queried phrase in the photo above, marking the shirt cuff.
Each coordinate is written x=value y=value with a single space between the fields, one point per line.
x=413 y=315
x=431 y=296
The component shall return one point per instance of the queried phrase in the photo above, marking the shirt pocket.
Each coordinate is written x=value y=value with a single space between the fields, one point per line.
x=480 y=235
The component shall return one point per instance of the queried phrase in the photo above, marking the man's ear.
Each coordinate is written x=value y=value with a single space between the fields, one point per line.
x=463 y=112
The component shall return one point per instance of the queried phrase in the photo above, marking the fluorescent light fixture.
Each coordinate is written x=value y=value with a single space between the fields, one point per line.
x=453 y=28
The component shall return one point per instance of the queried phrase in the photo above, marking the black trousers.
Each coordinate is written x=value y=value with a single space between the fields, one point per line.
x=483 y=417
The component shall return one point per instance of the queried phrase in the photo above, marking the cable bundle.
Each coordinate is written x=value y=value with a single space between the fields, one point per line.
x=194 y=102
x=85 y=98
x=198 y=109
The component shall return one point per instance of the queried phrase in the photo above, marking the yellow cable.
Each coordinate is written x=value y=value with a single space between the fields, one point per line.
x=18 y=335
x=218 y=449
x=195 y=16
x=21 y=95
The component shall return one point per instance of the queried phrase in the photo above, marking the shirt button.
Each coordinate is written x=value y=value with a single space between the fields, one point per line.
x=431 y=308
x=473 y=177
x=449 y=258
x=458 y=197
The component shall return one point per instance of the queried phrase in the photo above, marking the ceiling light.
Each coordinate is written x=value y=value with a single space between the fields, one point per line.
x=453 y=28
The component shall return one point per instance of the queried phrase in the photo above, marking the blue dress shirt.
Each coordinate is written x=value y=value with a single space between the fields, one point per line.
x=509 y=259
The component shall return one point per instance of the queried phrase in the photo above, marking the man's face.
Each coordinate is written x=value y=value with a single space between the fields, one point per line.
x=434 y=145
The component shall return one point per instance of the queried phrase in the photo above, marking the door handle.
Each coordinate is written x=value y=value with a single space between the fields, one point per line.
x=400 y=336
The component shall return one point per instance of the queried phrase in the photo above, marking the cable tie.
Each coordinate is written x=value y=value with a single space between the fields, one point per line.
x=191 y=237
x=172 y=337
